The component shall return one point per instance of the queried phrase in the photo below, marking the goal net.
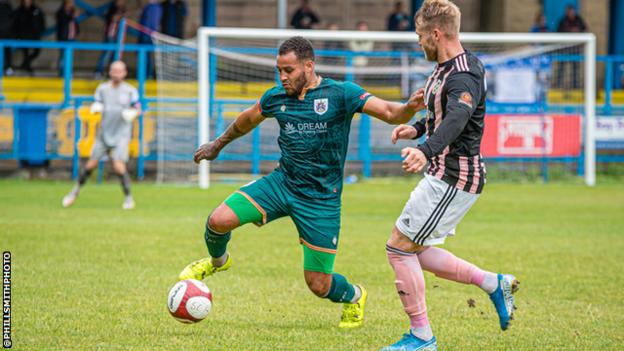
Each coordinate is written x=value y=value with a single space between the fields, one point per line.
x=540 y=100
x=176 y=106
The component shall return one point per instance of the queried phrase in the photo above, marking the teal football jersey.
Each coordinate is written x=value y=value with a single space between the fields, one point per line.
x=314 y=134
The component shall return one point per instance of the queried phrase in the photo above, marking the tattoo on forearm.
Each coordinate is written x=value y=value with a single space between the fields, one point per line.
x=232 y=132
x=236 y=130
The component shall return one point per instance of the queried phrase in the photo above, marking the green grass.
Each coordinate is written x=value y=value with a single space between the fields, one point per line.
x=95 y=277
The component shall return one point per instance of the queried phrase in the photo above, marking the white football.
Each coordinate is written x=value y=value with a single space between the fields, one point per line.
x=189 y=301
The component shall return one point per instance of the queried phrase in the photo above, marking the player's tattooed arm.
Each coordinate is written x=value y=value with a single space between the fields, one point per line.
x=394 y=112
x=243 y=124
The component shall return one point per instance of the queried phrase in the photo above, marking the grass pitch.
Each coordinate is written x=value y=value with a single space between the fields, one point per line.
x=95 y=277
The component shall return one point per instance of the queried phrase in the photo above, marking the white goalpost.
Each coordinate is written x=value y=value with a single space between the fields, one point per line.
x=236 y=64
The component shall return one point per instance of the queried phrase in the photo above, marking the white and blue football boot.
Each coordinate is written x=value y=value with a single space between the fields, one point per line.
x=503 y=298
x=411 y=343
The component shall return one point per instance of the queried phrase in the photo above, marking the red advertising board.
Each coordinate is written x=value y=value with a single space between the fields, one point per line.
x=531 y=135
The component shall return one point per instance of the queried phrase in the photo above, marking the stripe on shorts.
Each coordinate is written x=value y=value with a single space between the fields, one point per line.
x=437 y=221
x=433 y=214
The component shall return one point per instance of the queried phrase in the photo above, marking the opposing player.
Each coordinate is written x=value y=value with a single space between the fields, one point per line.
x=119 y=104
x=455 y=103
x=314 y=115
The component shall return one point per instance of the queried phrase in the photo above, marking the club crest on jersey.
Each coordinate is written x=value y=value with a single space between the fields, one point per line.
x=320 y=106
x=437 y=85
x=433 y=91
x=283 y=108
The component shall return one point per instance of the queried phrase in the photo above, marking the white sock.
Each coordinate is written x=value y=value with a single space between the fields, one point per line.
x=357 y=295
x=490 y=282
x=423 y=333
x=219 y=261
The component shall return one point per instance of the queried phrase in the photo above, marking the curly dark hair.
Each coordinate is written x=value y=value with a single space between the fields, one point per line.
x=300 y=46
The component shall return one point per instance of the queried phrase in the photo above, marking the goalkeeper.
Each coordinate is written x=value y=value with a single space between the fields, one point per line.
x=118 y=102
x=314 y=115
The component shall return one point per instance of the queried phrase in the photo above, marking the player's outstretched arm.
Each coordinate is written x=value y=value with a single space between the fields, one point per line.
x=394 y=112
x=243 y=124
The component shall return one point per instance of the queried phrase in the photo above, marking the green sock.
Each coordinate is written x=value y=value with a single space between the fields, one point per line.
x=216 y=242
x=341 y=290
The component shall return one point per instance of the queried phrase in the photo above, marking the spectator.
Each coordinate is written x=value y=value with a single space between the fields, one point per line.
x=115 y=13
x=5 y=33
x=304 y=17
x=571 y=23
x=150 y=19
x=539 y=26
x=333 y=44
x=361 y=45
x=399 y=21
x=66 y=21
x=174 y=14
x=28 y=24
x=66 y=26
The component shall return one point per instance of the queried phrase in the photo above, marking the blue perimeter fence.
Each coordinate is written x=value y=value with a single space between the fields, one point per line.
x=364 y=154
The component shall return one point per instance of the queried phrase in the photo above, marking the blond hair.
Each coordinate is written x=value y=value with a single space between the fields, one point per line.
x=441 y=14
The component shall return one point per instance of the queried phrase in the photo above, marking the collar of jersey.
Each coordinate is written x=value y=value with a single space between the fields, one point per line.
x=466 y=52
x=321 y=81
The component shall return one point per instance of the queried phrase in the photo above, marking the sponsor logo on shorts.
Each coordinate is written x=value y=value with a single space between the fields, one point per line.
x=406 y=221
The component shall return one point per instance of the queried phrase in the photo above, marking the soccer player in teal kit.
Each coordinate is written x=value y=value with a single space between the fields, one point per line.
x=314 y=115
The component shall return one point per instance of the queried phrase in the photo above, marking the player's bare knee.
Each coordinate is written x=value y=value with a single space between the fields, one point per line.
x=218 y=223
x=400 y=241
x=222 y=219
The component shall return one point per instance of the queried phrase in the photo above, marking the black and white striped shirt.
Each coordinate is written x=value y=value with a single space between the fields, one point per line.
x=455 y=103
